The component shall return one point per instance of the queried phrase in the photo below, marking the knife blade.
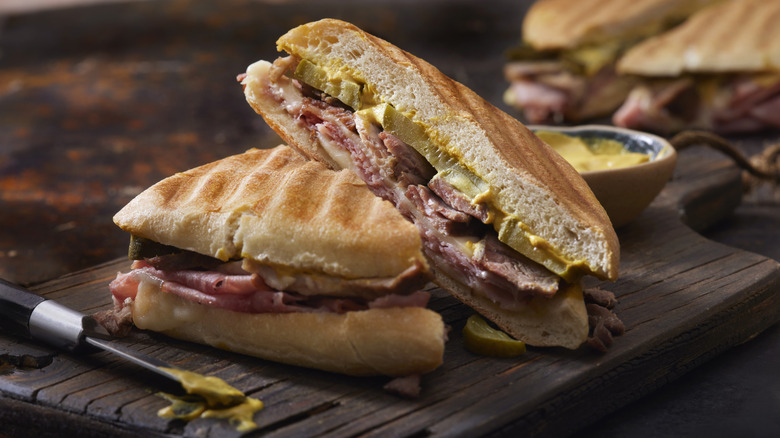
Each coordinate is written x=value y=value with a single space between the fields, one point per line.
x=30 y=315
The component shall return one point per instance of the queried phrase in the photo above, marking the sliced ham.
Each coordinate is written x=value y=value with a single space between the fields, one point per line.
x=549 y=92
x=440 y=215
x=517 y=70
x=411 y=167
x=213 y=282
x=336 y=126
x=458 y=200
x=633 y=113
x=313 y=284
x=407 y=386
x=260 y=300
x=124 y=287
x=648 y=105
x=513 y=268
x=237 y=303
x=768 y=112
x=751 y=101
x=541 y=103
x=574 y=85
x=739 y=104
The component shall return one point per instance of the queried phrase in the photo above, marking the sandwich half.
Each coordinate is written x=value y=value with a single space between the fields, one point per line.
x=564 y=70
x=508 y=226
x=268 y=254
x=718 y=71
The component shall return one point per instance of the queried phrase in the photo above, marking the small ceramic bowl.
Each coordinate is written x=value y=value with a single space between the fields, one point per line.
x=625 y=192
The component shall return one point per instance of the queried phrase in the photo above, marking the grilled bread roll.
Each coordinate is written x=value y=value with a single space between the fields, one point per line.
x=271 y=255
x=566 y=24
x=564 y=68
x=360 y=103
x=390 y=341
x=736 y=36
x=719 y=71
x=276 y=208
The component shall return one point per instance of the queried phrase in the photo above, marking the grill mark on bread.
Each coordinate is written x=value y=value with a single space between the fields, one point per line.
x=734 y=36
x=353 y=241
x=561 y=24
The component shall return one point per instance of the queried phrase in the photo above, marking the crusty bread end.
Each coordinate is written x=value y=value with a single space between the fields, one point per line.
x=392 y=341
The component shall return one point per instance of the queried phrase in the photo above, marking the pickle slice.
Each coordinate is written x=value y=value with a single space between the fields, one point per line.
x=348 y=92
x=480 y=338
x=410 y=133
x=142 y=248
x=475 y=188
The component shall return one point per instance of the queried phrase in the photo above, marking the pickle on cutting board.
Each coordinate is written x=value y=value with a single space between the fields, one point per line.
x=480 y=338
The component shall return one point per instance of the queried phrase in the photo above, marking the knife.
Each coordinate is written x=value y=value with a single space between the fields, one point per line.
x=30 y=315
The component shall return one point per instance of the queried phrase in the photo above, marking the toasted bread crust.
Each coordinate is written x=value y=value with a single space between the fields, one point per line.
x=528 y=179
x=736 y=36
x=560 y=321
x=277 y=208
x=566 y=24
x=393 y=341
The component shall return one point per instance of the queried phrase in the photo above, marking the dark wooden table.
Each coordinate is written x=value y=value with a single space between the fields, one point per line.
x=99 y=102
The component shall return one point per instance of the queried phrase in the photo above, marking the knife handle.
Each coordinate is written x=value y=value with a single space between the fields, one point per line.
x=31 y=315
x=16 y=306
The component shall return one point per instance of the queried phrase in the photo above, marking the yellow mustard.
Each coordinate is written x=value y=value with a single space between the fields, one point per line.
x=597 y=154
x=210 y=397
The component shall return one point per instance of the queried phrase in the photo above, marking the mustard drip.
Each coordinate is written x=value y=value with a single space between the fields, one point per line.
x=210 y=397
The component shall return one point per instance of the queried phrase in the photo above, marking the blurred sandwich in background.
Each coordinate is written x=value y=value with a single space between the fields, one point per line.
x=564 y=70
x=720 y=71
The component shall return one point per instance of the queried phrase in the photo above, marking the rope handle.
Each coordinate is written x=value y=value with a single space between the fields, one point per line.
x=765 y=166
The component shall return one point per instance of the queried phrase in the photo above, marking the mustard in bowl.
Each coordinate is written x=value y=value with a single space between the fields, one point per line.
x=625 y=169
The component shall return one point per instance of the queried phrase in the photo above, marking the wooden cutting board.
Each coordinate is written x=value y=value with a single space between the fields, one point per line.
x=684 y=300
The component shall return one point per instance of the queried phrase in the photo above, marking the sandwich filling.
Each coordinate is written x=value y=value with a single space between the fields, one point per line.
x=723 y=103
x=229 y=286
x=566 y=69
x=450 y=206
x=552 y=86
